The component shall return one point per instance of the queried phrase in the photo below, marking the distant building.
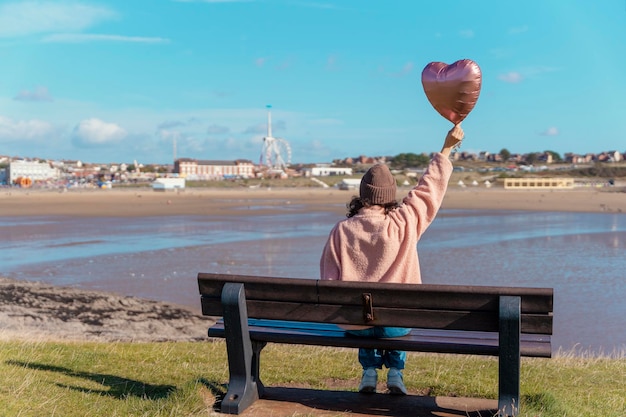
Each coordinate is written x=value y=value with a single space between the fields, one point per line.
x=349 y=184
x=538 y=183
x=546 y=157
x=164 y=184
x=325 y=171
x=615 y=156
x=34 y=170
x=210 y=170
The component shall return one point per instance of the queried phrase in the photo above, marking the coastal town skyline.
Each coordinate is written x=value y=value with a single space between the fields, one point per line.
x=108 y=80
x=612 y=155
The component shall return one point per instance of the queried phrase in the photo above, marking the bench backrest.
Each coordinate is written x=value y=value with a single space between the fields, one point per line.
x=451 y=307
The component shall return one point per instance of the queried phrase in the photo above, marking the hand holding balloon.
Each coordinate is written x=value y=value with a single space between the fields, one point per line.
x=453 y=139
x=453 y=89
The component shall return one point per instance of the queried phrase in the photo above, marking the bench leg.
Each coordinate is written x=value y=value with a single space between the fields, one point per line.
x=257 y=347
x=243 y=389
x=509 y=361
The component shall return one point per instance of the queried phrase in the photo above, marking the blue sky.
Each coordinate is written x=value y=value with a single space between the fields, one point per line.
x=118 y=81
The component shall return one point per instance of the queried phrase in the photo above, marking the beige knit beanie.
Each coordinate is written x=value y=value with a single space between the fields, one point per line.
x=378 y=185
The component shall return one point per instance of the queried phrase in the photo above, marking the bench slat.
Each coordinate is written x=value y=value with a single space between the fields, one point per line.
x=261 y=287
x=287 y=324
x=419 y=340
x=423 y=296
x=383 y=316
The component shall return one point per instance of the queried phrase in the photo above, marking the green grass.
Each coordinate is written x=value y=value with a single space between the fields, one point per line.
x=183 y=379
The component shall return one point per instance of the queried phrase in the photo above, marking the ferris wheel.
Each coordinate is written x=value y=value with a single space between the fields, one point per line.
x=276 y=152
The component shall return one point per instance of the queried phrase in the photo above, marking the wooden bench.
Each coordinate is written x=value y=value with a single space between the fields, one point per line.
x=477 y=320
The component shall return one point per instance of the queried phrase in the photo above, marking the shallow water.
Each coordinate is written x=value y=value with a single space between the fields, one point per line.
x=580 y=255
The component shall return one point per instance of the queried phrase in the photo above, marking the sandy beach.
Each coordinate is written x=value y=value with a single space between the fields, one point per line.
x=41 y=311
x=232 y=202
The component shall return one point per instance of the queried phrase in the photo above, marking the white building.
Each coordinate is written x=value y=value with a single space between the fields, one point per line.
x=164 y=184
x=349 y=184
x=34 y=170
x=210 y=170
x=325 y=171
x=615 y=156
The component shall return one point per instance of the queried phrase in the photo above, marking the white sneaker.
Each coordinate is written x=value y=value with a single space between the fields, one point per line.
x=395 y=383
x=368 y=382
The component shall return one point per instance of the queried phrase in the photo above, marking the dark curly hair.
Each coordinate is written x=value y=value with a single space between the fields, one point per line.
x=357 y=203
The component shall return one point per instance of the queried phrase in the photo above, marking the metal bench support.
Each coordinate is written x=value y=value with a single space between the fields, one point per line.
x=509 y=360
x=244 y=386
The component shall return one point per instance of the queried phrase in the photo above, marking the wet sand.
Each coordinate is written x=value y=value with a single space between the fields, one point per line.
x=41 y=311
x=232 y=202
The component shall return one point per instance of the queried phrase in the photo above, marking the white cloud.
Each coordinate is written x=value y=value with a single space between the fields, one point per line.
x=260 y=128
x=512 y=77
x=170 y=124
x=278 y=125
x=38 y=94
x=467 y=33
x=22 y=130
x=314 y=148
x=217 y=130
x=150 y=132
x=61 y=22
x=169 y=134
x=522 y=74
x=259 y=62
x=26 y=18
x=95 y=132
x=551 y=131
x=86 y=37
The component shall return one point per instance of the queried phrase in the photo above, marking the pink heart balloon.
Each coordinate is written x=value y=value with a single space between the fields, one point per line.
x=452 y=89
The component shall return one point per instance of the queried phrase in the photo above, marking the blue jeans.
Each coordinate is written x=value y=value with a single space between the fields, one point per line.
x=376 y=358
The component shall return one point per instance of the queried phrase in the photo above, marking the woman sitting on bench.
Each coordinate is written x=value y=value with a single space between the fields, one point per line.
x=378 y=243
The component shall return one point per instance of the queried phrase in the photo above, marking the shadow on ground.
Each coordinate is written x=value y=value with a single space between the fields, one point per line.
x=285 y=401
x=114 y=386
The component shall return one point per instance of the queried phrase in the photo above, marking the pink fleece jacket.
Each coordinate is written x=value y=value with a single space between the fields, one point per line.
x=375 y=247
